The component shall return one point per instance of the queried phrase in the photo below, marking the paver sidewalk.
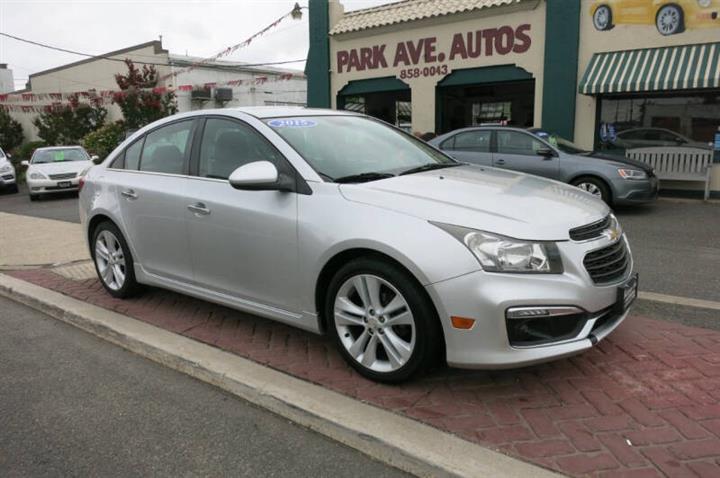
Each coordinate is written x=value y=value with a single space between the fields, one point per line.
x=644 y=402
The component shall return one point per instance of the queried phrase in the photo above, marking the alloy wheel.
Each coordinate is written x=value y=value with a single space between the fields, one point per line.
x=110 y=260
x=601 y=19
x=590 y=188
x=374 y=323
x=668 y=20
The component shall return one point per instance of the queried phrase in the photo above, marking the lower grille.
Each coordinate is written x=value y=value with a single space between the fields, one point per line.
x=544 y=330
x=8 y=177
x=608 y=264
x=62 y=176
x=590 y=231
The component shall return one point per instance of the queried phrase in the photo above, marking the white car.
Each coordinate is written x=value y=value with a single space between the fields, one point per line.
x=8 y=179
x=56 y=169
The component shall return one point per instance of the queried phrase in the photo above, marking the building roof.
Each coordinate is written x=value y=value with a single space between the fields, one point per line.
x=409 y=10
x=197 y=62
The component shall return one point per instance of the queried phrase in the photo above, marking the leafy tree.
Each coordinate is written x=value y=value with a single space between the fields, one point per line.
x=140 y=100
x=11 y=132
x=103 y=140
x=65 y=124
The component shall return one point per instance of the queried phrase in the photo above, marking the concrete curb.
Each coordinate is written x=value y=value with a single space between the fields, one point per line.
x=398 y=441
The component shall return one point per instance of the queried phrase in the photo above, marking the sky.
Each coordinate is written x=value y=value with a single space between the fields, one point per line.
x=194 y=27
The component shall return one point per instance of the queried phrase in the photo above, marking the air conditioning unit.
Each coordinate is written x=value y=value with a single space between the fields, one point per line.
x=201 y=94
x=223 y=94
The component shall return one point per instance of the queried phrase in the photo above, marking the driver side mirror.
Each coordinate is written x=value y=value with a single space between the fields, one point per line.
x=25 y=163
x=546 y=153
x=260 y=176
x=95 y=159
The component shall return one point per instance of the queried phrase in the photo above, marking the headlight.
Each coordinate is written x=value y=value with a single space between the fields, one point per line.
x=704 y=3
x=5 y=169
x=37 y=176
x=504 y=254
x=632 y=174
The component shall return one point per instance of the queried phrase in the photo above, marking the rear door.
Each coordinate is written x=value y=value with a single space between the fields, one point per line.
x=244 y=243
x=518 y=150
x=470 y=147
x=151 y=186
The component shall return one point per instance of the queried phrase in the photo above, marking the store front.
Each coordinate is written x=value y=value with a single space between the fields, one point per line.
x=583 y=70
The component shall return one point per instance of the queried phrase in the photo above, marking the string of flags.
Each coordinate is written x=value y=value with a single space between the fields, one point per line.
x=19 y=101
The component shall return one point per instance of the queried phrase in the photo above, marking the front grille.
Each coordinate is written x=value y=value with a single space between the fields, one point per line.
x=590 y=231
x=62 y=176
x=8 y=177
x=609 y=263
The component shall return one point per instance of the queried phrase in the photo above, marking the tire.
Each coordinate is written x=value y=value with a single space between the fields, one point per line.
x=602 y=18
x=595 y=186
x=34 y=197
x=670 y=20
x=113 y=262
x=399 y=351
x=14 y=189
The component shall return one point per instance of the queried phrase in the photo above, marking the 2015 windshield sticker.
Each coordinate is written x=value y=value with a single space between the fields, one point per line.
x=292 y=123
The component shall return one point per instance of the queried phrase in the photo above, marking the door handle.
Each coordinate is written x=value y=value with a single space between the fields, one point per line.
x=129 y=194
x=199 y=209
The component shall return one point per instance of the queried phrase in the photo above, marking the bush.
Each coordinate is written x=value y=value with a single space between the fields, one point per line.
x=104 y=140
x=11 y=132
x=67 y=124
x=26 y=151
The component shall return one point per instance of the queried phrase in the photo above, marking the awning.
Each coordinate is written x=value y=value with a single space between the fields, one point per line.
x=653 y=69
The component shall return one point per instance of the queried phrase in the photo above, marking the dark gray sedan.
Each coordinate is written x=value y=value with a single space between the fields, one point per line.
x=616 y=180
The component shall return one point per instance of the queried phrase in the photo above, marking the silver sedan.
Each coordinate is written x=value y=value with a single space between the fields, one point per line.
x=340 y=224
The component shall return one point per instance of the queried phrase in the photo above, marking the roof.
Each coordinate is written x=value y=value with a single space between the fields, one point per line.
x=200 y=63
x=409 y=10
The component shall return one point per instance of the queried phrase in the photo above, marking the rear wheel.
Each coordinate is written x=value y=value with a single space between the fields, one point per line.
x=381 y=320
x=594 y=186
x=113 y=261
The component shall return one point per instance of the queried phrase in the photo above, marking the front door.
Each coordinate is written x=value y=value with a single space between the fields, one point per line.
x=518 y=151
x=244 y=243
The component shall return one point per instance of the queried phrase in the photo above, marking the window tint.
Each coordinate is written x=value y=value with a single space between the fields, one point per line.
x=476 y=141
x=227 y=145
x=132 y=155
x=514 y=142
x=165 y=149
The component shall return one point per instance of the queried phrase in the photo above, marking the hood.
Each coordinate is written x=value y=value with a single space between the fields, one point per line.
x=495 y=200
x=622 y=160
x=62 y=167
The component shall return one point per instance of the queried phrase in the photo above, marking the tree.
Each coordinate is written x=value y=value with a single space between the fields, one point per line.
x=11 y=132
x=103 y=140
x=140 y=99
x=65 y=124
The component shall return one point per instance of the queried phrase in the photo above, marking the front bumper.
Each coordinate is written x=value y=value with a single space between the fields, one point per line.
x=486 y=297
x=45 y=186
x=632 y=191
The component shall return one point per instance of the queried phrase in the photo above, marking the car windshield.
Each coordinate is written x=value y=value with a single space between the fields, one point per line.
x=356 y=148
x=42 y=156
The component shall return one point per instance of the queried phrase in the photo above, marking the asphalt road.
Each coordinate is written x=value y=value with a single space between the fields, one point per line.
x=674 y=241
x=74 y=405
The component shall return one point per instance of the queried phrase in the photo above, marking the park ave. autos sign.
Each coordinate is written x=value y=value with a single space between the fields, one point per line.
x=424 y=56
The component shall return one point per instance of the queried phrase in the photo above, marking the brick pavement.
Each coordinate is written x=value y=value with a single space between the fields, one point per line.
x=645 y=402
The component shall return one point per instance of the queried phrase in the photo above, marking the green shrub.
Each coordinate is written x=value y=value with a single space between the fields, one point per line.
x=11 y=132
x=104 y=140
x=23 y=153
x=67 y=124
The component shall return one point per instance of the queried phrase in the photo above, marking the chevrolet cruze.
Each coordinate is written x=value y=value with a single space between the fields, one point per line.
x=337 y=223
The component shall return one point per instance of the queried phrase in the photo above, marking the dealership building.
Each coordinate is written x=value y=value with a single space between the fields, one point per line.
x=616 y=74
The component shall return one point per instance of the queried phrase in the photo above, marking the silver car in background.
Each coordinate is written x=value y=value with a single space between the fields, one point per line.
x=338 y=223
x=56 y=169
x=8 y=178
x=614 y=179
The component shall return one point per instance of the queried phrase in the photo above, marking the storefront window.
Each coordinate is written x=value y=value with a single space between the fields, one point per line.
x=659 y=121
x=393 y=107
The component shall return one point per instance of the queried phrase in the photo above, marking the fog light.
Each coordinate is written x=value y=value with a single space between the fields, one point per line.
x=534 y=312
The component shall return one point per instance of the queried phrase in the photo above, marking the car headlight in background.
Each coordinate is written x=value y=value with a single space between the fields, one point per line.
x=632 y=174
x=5 y=169
x=504 y=254
x=704 y=3
x=36 y=175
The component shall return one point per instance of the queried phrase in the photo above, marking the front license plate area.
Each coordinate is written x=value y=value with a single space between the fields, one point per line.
x=64 y=184
x=627 y=294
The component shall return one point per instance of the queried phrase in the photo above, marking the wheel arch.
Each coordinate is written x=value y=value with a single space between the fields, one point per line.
x=597 y=177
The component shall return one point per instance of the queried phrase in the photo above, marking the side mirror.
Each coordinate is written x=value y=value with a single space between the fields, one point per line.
x=25 y=163
x=95 y=159
x=546 y=153
x=260 y=176
x=8 y=156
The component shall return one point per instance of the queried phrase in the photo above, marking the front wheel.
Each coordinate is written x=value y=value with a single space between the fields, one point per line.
x=594 y=186
x=602 y=18
x=382 y=321
x=669 y=20
x=113 y=261
x=34 y=197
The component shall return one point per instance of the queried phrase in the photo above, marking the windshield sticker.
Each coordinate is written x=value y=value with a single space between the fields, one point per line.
x=59 y=155
x=292 y=123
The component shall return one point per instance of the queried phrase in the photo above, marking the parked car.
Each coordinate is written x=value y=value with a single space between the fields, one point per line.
x=668 y=16
x=8 y=179
x=654 y=137
x=615 y=180
x=56 y=169
x=337 y=223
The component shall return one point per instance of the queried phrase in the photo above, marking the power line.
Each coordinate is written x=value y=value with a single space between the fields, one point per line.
x=105 y=57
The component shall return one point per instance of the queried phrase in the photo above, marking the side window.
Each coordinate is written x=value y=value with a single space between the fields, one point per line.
x=227 y=145
x=474 y=141
x=448 y=144
x=514 y=142
x=132 y=156
x=165 y=149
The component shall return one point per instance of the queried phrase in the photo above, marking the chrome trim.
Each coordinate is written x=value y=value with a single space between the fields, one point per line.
x=553 y=311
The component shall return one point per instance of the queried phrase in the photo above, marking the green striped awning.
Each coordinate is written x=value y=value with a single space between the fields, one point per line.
x=653 y=69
